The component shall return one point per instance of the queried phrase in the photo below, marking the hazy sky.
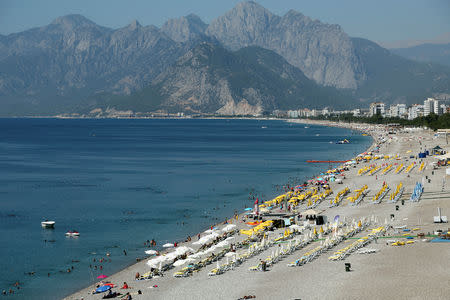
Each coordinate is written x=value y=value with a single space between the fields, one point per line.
x=378 y=20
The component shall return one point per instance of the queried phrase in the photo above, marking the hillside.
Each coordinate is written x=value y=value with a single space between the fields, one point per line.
x=434 y=53
x=394 y=78
x=212 y=79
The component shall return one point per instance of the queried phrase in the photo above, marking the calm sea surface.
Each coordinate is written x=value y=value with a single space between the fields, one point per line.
x=122 y=182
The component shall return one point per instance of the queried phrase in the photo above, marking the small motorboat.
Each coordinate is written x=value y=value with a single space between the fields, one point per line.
x=48 y=224
x=72 y=233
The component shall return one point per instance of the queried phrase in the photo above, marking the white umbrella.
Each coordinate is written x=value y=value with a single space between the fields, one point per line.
x=197 y=255
x=189 y=260
x=183 y=249
x=228 y=228
x=222 y=244
x=151 y=252
x=230 y=254
x=179 y=262
x=168 y=245
x=230 y=238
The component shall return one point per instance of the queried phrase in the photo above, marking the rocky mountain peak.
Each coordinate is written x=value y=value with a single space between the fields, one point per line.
x=134 y=25
x=73 y=22
x=184 y=28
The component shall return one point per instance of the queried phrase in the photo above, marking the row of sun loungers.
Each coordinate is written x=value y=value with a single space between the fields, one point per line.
x=386 y=170
x=294 y=245
x=358 y=244
x=422 y=166
x=399 y=169
x=410 y=168
x=330 y=243
x=381 y=193
x=253 y=250
x=339 y=197
x=360 y=194
x=397 y=194
x=316 y=199
x=417 y=192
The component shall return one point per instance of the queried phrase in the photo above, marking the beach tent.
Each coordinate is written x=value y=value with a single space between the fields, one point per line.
x=151 y=252
x=437 y=151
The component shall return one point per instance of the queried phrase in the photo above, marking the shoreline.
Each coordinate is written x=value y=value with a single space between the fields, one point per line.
x=391 y=264
x=133 y=265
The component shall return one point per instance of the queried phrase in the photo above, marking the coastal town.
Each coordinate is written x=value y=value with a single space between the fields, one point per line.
x=403 y=111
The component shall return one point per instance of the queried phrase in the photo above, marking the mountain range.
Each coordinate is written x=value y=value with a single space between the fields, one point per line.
x=434 y=53
x=247 y=61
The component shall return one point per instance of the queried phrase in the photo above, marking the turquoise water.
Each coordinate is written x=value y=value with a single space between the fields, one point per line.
x=122 y=182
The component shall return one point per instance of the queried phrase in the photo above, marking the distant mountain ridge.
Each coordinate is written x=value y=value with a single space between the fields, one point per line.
x=435 y=53
x=74 y=65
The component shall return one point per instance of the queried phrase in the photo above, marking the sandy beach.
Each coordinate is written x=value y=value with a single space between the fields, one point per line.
x=419 y=270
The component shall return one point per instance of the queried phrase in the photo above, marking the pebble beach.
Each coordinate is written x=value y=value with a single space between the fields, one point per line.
x=403 y=261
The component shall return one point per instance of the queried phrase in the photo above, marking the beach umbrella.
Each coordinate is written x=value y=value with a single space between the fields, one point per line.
x=102 y=289
x=229 y=228
x=248 y=208
x=230 y=254
x=151 y=252
x=168 y=245
x=222 y=244
x=101 y=276
x=179 y=262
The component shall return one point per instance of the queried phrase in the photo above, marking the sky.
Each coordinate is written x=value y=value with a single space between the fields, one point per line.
x=385 y=21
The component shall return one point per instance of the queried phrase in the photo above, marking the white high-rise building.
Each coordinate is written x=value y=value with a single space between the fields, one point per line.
x=415 y=111
x=377 y=108
x=398 y=110
x=437 y=107
x=428 y=106
x=432 y=105
x=401 y=110
x=393 y=111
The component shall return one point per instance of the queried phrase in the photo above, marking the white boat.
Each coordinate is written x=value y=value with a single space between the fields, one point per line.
x=48 y=224
x=72 y=233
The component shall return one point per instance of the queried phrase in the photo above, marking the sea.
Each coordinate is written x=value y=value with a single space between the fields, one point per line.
x=121 y=182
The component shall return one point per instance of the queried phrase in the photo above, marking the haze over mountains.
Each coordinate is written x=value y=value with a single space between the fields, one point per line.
x=434 y=53
x=245 y=62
